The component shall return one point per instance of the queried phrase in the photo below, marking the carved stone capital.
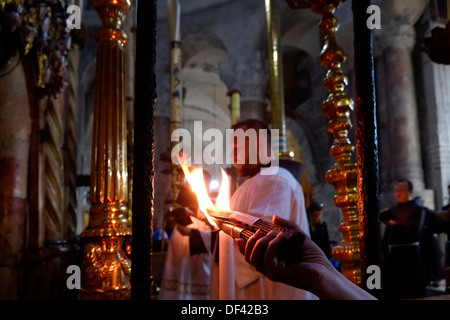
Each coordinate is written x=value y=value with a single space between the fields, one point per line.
x=249 y=75
x=397 y=32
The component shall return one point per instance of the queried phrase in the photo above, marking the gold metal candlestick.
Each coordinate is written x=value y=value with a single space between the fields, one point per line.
x=106 y=269
x=337 y=107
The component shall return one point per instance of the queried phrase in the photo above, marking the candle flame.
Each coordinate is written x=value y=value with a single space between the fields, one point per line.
x=223 y=198
x=197 y=183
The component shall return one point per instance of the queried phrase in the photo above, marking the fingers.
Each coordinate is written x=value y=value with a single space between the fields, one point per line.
x=241 y=245
x=251 y=243
x=255 y=254
x=273 y=246
x=270 y=259
x=285 y=223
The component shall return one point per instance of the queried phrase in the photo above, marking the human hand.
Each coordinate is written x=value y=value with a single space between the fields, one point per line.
x=313 y=273
x=260 y=251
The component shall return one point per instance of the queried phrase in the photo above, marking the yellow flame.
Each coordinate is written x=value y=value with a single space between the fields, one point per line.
x=223 y=198
x=197 y=183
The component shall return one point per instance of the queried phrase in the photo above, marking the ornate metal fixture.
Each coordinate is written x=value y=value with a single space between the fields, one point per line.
x=337 y=107
x=106 y=268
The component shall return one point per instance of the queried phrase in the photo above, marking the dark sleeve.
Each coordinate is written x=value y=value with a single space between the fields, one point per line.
x=196 y=244
x=431 y=225
x=386 y=215
x=442 y=222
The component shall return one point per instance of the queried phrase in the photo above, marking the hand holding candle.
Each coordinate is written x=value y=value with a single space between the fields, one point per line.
x=243 y=226
x=313 y=273
x=238 y=224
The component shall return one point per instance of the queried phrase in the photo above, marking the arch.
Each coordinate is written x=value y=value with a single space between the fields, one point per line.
x=298 y=69
x=202 y=49
x=305 y=34
x=205 y=94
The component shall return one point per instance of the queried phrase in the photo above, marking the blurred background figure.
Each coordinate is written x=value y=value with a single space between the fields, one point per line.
x=319 y=231
x=158 y=238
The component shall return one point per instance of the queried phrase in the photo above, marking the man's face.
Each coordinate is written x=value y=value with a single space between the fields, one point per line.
x=402 y=194
x=246 y=156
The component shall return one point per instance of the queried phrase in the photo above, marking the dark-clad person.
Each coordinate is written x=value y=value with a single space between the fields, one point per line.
x=407 y=223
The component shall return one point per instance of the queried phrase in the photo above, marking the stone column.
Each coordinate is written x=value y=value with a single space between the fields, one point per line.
x=398 y=40
x=15 y=129
x=382 y=119
x=249 y=74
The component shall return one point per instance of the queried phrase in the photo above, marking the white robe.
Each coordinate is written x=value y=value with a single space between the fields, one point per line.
x=187 y=277
x=262 y=196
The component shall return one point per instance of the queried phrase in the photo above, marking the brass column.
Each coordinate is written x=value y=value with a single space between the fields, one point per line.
x=337 y=107
x=343 y=174
x=276 y=74
x=106 y=270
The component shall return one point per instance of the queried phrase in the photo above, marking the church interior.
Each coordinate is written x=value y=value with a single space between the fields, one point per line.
x=89 y=98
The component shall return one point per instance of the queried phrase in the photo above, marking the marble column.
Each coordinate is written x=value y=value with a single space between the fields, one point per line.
x=15 y=129
x=398 y=40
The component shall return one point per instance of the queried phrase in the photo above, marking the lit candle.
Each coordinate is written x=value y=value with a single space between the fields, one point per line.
x=241 y=225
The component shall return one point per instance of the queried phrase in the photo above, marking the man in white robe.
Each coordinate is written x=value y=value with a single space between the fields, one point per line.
x=262 y=195
x=186 y=274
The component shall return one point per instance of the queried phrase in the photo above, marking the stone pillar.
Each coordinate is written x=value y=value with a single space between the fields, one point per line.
x=398 y=40
x=15 y=129
x=435 y=108
x=250 y=75
x=383 y=120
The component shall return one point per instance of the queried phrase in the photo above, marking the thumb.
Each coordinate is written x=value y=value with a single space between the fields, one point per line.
x=285 y=223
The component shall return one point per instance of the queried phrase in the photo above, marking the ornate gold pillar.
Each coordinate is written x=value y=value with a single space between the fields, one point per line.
x=337 y=107
x=106 y=269
x=343 y=174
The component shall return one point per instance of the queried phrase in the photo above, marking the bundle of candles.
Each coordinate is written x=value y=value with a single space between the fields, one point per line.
x=238 y=224
x=241 y=225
